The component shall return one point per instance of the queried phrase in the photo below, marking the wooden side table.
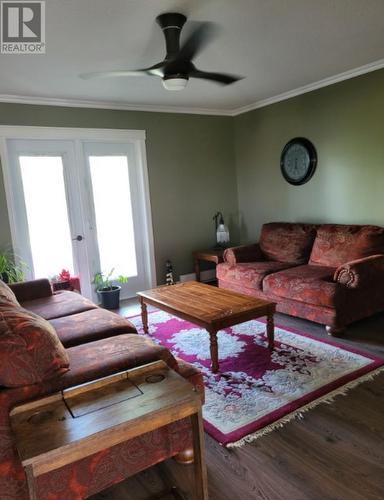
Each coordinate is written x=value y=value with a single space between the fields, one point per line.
x=214 y=255
x=60 y=429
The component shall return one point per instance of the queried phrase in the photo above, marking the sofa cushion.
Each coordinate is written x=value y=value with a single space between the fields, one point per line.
x=286 y=242
x=59 y=304
x=310 y=284
x=337 y=244
x=104 y=357
x=7 y=294
x=30 y=350
x=90 y=325
x=249 y=274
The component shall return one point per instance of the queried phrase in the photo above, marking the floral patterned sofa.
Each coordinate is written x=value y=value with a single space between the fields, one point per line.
x=52 y=341
x=332 y=274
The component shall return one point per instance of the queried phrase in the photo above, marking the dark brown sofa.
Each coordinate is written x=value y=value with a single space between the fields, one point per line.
x=97 y=343
x=332 y=274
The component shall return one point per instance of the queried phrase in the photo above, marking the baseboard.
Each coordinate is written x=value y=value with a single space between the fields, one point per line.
x=208 y=275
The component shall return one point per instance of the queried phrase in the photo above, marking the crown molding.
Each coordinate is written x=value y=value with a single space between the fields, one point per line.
x=325 y=82
x=80 y=103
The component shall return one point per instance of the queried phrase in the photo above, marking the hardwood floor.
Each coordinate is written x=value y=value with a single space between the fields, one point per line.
x=335 y=452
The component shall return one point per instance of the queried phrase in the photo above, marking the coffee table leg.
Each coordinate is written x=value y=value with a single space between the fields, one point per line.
x=270 y=331
x=214 y=351
x=144 y=314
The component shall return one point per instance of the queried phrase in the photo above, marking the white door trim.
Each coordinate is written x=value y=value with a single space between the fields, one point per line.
x=137 y=137
x=70 y=133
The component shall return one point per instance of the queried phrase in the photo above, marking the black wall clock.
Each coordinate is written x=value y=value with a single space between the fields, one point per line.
x=298 y=161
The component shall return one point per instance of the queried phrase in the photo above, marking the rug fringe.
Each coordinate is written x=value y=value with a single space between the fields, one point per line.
x=328 y=398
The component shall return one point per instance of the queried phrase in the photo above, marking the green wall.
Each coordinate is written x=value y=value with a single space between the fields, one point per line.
x=345 y=123
x=191 y=171
x=199 y=164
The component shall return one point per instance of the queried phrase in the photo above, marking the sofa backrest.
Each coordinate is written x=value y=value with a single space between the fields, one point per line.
x=336 y=244
x=287 y=242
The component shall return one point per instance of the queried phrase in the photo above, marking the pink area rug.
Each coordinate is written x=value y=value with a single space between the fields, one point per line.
x=257 y=391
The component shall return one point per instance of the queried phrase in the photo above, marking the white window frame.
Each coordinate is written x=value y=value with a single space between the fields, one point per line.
x=78 y=135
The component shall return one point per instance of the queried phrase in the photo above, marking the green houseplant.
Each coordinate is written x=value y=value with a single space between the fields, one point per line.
x=107 y=289
x=10 y=271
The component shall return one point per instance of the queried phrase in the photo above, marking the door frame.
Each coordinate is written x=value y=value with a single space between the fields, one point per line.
x=136 y=137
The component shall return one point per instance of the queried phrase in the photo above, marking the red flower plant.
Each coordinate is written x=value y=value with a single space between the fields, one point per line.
x=64 y=275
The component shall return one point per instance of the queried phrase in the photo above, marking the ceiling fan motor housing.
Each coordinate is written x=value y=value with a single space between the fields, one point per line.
x=169 y=19
x=171 y=23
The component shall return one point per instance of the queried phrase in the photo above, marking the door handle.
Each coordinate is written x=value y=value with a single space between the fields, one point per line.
x=78 y=238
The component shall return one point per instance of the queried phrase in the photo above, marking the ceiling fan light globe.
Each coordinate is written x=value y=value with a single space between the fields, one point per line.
x=175 y=83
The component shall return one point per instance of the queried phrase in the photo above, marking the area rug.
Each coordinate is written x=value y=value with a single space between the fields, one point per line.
x=257 y=391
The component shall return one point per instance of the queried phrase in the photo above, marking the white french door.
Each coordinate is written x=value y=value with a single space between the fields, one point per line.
x=80 y=205
x=115 y=213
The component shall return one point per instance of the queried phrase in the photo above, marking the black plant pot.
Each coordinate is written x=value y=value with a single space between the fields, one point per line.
x=110 y=298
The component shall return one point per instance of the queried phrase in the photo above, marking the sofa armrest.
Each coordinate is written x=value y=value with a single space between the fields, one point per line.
x=361 y=272
x=31 y=290
x=244 y=253
x=193 y=375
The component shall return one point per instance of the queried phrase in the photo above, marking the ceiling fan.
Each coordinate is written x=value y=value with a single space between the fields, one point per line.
x=177 y=66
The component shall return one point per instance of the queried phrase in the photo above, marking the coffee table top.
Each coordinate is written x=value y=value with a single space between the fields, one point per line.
x=206 y=305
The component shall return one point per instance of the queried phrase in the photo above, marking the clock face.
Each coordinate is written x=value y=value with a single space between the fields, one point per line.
x=298 y=161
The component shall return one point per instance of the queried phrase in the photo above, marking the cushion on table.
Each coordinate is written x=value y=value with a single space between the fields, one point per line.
x=90 y=325
x=59 y=304
x=249 y=274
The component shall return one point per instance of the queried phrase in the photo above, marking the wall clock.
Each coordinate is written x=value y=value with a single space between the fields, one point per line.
x=298 y=161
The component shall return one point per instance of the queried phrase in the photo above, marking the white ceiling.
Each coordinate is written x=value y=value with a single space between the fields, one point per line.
x=278 y=45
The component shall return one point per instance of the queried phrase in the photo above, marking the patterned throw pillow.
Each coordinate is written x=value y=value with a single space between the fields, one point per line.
x=30 y=350
x=337 y=244
x=7 y=294
x=287 y=242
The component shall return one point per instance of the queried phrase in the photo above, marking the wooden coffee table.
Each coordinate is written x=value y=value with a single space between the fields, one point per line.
x=209 y=307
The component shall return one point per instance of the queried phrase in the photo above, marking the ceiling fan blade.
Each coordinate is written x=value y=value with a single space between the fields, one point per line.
x=196 y=41
x=222 y=78
x=154 y=70
x=112 y=74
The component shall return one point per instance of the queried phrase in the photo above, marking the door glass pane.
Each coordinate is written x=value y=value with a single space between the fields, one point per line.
x=113 y=210
x=47 y=214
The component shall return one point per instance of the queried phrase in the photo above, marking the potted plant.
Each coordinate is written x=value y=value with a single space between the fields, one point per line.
x=107 y=290
x=61 y=281
x=10 y=271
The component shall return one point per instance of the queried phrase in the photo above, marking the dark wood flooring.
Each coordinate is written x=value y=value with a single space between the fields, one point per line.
x=336 y=452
